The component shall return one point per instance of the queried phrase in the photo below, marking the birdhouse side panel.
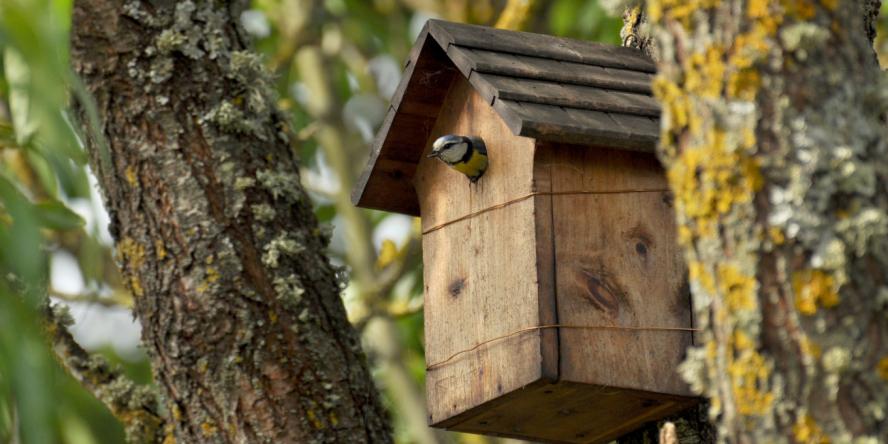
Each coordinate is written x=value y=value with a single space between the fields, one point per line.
x=617 y=265
x=480 y=273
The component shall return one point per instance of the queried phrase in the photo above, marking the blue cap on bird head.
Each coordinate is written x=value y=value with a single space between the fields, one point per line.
x=445 y=144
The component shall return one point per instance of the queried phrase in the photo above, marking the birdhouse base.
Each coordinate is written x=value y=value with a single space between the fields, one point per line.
x=567 y=412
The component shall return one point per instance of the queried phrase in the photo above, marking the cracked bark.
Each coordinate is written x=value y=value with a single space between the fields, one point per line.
x=240 y=308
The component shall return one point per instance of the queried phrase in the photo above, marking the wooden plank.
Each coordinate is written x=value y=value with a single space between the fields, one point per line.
x=487 y=91
x=618 y=264
x=545 y=261
x=566 y=95
x=552 y=123
x=553 y=70
x=406 y=138
x=622 y=56
x=537 y=45
x=567 y=412
x=480 y=273
x=462 y=58
x=644 y=128
x=425 y=83
x=391 y=185
x=361 y=185
x=422 y=42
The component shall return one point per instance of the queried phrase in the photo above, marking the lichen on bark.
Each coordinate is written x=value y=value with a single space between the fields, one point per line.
x=774 y=139
x=240 y=308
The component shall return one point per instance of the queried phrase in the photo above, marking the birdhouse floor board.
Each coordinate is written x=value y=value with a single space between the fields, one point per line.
x=566 y=412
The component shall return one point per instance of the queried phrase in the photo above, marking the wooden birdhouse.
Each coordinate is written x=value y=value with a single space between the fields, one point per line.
x=571 y=225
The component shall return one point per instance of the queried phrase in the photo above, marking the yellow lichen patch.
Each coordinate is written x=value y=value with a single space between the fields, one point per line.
x=776 y=235
x=312 y=417
x=209 y=429
x=680 y=10
x=812 y=287
x=210 y=260
x=130 y=252
x=697 y=272
x=743 y=84
x=161 y=252
x=333 y=419
x=676 y=104
x=131 y=177
x=742 y=341
x=802 y=9
x=169 y=438
x=882 y=368
x=748 y=375
x=809 y=348
x=737 y=288
x=807 y=431
x=710 y=178
x=633 y=16
x=212 y=275
x=830 y=4
x=706 y=73
x=135 y=285
x=272 y=316
x=177 y=413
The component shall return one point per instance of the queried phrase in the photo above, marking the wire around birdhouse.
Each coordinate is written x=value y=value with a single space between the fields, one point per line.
x=603 y=327
x=540 y=193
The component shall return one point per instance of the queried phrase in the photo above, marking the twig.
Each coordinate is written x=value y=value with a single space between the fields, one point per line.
x=135 y=406
x=117 y=299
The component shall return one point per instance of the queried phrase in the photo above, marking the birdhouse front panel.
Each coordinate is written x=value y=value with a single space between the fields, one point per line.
x=480 y=273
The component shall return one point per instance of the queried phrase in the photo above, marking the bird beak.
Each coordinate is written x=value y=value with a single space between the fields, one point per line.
x=434 y=154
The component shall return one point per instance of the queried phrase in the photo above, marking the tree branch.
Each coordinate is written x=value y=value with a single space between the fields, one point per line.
x=134 y=405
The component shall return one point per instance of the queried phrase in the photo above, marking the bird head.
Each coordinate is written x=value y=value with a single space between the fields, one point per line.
x=450 y=148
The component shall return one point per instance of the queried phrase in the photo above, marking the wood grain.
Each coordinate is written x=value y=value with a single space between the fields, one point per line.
x=519 y=66
x=617 y=264
x=558 y=124
x=537 y=45
x=386 y=181
x=567 y=95
x=480 y=274
x=567 y=412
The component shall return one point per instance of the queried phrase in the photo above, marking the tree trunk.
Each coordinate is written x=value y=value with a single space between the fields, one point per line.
x=774 y=139
x=240 y=308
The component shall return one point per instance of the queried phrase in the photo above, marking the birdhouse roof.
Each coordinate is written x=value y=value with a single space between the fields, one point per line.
x=542 y=87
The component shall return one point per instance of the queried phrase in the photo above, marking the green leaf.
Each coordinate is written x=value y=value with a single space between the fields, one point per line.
x=45 y=173
x=55 y=215
x=20 y=241
x=18 y=74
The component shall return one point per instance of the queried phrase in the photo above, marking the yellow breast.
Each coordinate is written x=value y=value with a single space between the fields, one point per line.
x=474 y=167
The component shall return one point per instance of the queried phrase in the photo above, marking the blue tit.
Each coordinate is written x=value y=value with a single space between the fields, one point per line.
x=468 y=155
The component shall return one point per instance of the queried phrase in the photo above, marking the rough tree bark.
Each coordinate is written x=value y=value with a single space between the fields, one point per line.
x=775 y=144
x=240 y=308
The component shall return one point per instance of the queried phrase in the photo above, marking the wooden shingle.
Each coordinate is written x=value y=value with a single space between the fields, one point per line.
x=543 y=87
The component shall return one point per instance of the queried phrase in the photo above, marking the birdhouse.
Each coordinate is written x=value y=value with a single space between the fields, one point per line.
x=556 y=299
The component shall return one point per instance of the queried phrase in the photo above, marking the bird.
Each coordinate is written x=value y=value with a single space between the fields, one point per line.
x=468 y=155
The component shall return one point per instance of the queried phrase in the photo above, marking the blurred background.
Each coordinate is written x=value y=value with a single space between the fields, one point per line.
x=336 y=64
